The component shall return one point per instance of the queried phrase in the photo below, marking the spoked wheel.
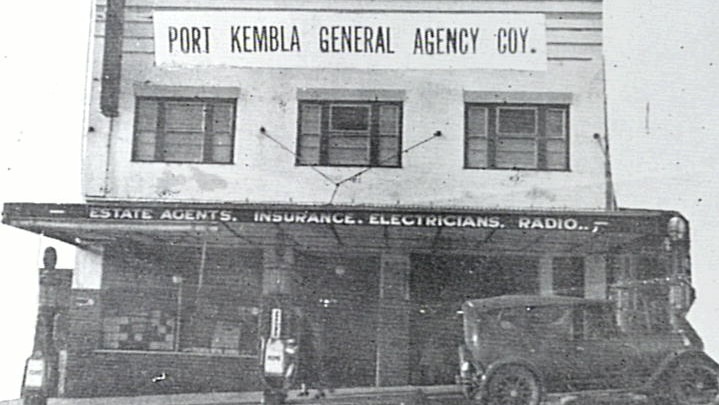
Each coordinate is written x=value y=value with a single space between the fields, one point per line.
x=513 y=385
x=694 y=382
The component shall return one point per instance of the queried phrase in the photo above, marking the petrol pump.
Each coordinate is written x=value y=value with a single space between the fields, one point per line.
x=280 y=352
x=40 y=378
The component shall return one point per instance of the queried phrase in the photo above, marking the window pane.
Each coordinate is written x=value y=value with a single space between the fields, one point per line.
x=556 y=123
x=389 y=120
x=516 y=153
x=476 y=153
x=515 y=160
x=360 y=142
x=221 y=148
x=516 y=145
x=222 y=117
x=310 y=121
x=183 y=147
x=149 y=328
x=349 y=118
x=568 y=276
x=556 y=154
x=388 y=151
x=348 y=151
x=309 y=150
x=222 y=154
x=184 y=116
x=223 y=315
x=144 y=148
x=476 y=121
x=146 y=115
x=517 y=121
x=221 y=139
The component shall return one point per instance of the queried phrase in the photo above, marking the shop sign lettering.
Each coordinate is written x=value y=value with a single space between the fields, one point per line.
x=430 y=220
x=164 y=214
x=371 y=40
x=352 y=218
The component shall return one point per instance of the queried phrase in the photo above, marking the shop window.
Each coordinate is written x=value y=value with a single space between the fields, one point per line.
x=349 y=133
x=184 y=130
x=159 y=299
x=516 y=136
x=568 y=276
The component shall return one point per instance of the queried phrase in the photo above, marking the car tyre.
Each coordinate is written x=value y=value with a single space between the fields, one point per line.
x=513 y=385
x=693 y=381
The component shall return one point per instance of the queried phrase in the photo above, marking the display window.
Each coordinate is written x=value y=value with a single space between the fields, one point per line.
x=173 y=299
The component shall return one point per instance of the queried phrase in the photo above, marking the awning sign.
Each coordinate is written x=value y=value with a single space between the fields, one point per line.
x=348 y=216
x=356 y=40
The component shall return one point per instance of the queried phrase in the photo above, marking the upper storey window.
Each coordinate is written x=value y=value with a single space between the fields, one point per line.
x=516 y=136
x=184 y=130
x=349 y=133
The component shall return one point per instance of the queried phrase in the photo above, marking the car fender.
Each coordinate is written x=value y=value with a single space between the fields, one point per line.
x=666 y=364
x=492 y=369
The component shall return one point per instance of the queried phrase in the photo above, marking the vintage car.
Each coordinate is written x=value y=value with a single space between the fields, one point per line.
x=519 y=348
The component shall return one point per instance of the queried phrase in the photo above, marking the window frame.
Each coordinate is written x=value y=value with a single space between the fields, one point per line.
x=540 y=138
x=161 y=128
x=373 y=131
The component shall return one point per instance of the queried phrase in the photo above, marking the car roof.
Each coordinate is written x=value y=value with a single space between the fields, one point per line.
x=513 y=301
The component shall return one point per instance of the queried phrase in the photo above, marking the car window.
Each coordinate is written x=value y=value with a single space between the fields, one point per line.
x=550 y=321
x=511 y=318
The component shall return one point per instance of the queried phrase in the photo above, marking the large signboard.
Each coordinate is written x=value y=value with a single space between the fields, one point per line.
x=408 y=218
x=358 y=40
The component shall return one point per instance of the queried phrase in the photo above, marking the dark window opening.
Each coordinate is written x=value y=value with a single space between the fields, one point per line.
x=568 y=276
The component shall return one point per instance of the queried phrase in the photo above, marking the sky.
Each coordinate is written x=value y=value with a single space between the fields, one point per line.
x=662 y=81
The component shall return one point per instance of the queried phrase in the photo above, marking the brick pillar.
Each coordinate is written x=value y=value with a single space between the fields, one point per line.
x=393 y=321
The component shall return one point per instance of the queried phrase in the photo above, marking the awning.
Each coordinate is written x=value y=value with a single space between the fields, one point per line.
x=341 y=227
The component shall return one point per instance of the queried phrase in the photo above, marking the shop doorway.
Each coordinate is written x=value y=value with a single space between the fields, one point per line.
x=339 y=298
x=438 y=287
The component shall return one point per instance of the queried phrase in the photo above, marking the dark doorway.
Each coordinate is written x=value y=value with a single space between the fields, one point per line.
x=438 y=287
x=339 y=296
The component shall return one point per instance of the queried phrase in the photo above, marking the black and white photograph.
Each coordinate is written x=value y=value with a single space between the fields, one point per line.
x=406 y=202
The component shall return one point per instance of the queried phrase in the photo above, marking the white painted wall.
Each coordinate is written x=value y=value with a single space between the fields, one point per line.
x=432 y=174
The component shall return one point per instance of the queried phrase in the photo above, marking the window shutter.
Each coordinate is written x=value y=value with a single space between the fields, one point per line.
x=476 y=142
x=310 y=130
x=389 y=145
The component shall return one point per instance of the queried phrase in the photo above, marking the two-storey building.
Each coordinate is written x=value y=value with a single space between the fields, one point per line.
x=367 y=165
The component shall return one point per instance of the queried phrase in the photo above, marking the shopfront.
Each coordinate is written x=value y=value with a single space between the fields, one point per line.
x=184 y=291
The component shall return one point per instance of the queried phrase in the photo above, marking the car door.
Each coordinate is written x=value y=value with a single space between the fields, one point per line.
x=549 y=332
x=604 y=359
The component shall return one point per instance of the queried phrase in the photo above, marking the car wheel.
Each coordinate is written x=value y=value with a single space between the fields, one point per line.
x=513 y=385
x=694 y=381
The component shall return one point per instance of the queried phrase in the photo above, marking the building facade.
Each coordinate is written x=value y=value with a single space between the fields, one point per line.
x=364 y=166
